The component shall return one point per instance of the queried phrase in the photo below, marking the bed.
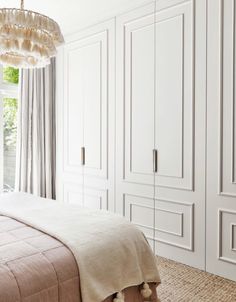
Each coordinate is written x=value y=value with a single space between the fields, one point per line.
x=41 y=262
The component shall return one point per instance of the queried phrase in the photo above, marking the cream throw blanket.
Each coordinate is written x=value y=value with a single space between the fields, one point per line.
x=111 y=253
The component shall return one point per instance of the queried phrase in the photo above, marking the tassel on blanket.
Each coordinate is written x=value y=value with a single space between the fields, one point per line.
x=119 y=297
x=146 y=291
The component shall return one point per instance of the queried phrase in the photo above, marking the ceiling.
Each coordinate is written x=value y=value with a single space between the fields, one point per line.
x=74 y=14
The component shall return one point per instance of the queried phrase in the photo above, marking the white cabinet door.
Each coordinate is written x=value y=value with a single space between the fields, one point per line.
x=75 y=56
x=175 y=94
x=87 y=112
x=221 y=168
x=138 y=98
x=95 y=103
x=161 y=73
x=135 y=117
x=99 y=113
x=69 y=119
x=180 y=101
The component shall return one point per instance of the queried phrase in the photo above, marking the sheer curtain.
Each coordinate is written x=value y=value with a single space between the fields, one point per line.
x=36 y=146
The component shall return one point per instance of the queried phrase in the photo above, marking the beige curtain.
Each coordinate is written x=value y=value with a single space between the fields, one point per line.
x=36 y=154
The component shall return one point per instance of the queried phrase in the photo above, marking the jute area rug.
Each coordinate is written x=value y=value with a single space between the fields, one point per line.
x=181 y=283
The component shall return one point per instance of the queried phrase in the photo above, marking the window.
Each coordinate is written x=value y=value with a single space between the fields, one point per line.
x=9 y=78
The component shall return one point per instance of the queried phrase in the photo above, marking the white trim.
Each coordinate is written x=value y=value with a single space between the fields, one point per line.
x=11 y=91
x=1 y=143
x=74 y=35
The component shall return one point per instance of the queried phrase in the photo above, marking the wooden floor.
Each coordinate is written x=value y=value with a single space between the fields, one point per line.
x=181 y=283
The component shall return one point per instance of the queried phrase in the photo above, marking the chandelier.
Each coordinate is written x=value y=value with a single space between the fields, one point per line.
x=27 y=39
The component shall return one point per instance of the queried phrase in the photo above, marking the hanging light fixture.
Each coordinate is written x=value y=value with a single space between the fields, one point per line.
x=27 y=39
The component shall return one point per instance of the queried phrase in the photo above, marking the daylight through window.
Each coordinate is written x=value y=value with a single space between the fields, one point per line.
x=8 y=126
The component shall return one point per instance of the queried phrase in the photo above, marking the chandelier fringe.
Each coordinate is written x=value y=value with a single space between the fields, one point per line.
x=21 y=61
x=27 y=39
x=27 y=18
x=26 y=47
x=34 y=35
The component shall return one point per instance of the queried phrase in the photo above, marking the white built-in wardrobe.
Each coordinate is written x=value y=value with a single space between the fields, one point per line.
x=147 y=126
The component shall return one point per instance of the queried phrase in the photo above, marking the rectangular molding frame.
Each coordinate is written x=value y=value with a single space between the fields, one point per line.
x=221 y=191
x=87 y=191
x=190 y=246
x=220 y=240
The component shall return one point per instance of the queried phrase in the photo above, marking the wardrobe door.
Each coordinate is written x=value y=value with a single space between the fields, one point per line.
x=99 y=114
x=221 y=169
x=70 y=116
x=180 y=75
x=135 y=117
x=88 y=117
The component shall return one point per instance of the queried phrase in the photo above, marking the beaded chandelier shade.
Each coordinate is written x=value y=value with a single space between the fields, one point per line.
x=27 y=39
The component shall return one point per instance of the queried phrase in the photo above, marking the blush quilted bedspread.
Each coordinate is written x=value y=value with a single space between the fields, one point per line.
x=34 y=267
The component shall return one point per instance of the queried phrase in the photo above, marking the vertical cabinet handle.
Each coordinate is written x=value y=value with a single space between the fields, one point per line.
x=82 y=156
x=155 y=160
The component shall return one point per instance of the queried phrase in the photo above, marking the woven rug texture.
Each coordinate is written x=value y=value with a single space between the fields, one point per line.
x=181 y=283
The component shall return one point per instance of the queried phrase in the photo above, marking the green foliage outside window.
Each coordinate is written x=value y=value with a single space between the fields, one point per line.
x=10 y=106
x=11 y=75
x=10 y=122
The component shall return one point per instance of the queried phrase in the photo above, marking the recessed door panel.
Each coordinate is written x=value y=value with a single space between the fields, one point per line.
x=135 y=114
x=73 y=108
x=227 y=160
x=96 y=107
x=99 y=115
x=139 y=99
x=174 y=96
x=85 y=197
x=92 y=106
x=169 y=96
x=86 y=114
x=96 y=199
x=140 y=211
x=86 y=104
x=73 y=194
x=221 y=185
x=180 y=104
x=174 y=224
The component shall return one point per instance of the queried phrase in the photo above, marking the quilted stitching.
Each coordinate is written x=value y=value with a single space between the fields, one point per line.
x=34 y=267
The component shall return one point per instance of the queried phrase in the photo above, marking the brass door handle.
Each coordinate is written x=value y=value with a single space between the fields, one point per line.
x=82 y=156
x=155 y=160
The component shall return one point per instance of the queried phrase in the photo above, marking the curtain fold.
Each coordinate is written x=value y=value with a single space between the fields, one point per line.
x=36 y=142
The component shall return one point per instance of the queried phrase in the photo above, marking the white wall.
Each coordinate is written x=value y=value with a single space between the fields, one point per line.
x=73 y=15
